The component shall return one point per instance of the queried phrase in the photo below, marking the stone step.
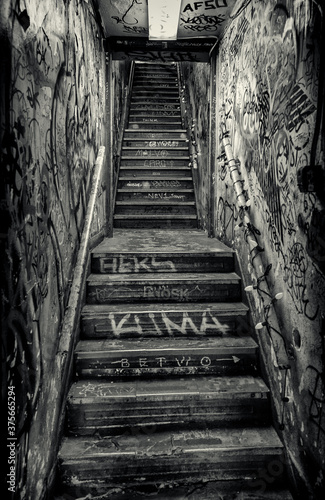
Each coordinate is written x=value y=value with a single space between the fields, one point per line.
x=157 y=90
x=151 y=88
x=170 y=160
x=136 y=113
x=156 y=74
x=154 y=99
x=147 y=195
x=164 y=320
x=158 y=169
x=143 y=151
x=158 y=121
x=169 y=457
x=154 y=107
x=162 y=97
x=154 y=123
x=188 y=251
x=170 y=287
x=157 y=135
x=174 y=109
x=105 y=407
x=148 y=262
x=144 y=73
x=172 y=222
x=150 y=357
x=146 y=182
x=155 y=81
x=160 y=66
x=143 y=142
x=255 y=489
x=155 y=207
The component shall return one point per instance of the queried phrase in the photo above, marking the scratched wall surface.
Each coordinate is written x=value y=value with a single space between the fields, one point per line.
x=196 y=88
x=269 y=103
x=52 y=125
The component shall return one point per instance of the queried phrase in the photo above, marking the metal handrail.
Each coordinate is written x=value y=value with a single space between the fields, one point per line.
x=126 y=106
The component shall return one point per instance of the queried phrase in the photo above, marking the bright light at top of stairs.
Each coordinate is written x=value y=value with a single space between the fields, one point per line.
x=163 y=19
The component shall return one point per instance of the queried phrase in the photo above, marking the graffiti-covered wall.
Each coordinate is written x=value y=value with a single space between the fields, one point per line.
x=270 y=104
x=196 y=93
x=52 y=125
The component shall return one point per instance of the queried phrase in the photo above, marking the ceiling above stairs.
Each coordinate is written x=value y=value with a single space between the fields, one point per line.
x=165 y=30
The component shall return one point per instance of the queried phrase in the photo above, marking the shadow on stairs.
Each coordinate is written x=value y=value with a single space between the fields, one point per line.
x=168 y=401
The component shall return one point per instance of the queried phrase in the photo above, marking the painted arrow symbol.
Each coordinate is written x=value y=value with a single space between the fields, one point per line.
x=233 y=358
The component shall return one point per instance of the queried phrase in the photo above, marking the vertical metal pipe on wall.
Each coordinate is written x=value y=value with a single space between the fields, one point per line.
x=212 y=144
x=123 y=122
x=109 y=156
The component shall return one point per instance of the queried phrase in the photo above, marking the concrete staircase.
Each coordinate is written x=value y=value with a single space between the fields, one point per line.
x=155 y=186
x=168 y=401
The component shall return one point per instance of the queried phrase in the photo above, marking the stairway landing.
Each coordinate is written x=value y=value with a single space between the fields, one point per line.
x=166 y=241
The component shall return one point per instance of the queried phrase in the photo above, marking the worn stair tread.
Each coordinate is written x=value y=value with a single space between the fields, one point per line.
x=220 y=308
x=150 y=207
x=177 y=388
x=154 y=100
x=145 y=78
x=160 y=89
x=172 y=278
x=155 y=216
x=154 y=121
x=167 y=76
x=158 y=357
x=146 y=177
x=154 y=190
x=106 y=348
x=211 y=490
x=156 y=185
x=141 y=73
x=208 y=443
x=156 y=96
x=159 y=113
x=162 y=120
x=172 y=319
x=170 y=81
x=155 y=168
x=189 y=241
x=163 y=75
x=143 y=142
x=104 y=407
x=149 y=130
x=155 y=106
x=167 y=203
x=151 y=114
x=155 y=148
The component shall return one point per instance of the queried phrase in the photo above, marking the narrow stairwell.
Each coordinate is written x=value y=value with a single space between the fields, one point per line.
x=155 y=187
x=168 y=402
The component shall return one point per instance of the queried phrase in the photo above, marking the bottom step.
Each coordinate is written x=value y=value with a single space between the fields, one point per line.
x=155 y=222
x=230 y=490
x=105 y=407
x=96 y=464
